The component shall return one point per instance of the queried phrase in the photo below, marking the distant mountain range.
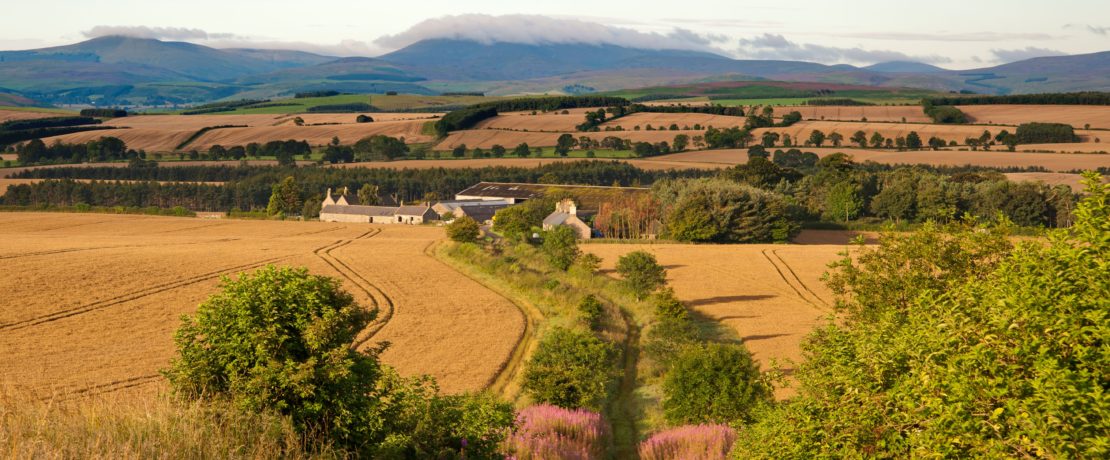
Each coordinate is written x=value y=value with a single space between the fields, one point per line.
x=133 y=71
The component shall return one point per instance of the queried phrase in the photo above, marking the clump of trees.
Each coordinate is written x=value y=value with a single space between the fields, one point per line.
x=463 y=119
x=944 y=114
x=1045 y=133
x=380 y=147
x=724 y=211
x=308 y=94
x=351 y=107
x=999 y=346
x=104 y=113
x=14 y=131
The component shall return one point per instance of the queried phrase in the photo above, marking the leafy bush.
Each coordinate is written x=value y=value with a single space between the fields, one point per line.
x=550 y=432
x=560 y=245
x=668 y=307
x=703 y=442
x=590 y=310
x=641 y=272
x=570 y=369
x=464 y=230
x=518 y=221
x=280 y=339
x=956 y=344
x=714 y=383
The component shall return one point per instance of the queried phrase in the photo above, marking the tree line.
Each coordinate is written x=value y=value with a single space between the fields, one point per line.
x=14 y=131
x=1079 y=98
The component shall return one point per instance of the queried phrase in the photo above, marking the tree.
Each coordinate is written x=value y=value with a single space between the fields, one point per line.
x=459 y=151
x=641 y=272
x=713 y=383
x=680 y=142
x=897 y=197
x=280 y=339
x=564 y=144
x=522 y=150
x=1000 y=347
x=844 y=201
x=498 y=151
x=877 y=140
x=860 y=138
x=569 y=369
x=836 y=139
x=936 y=143
x=913 y=140
x=769 y=139
x=561 y=247
x=368 y=195
x=285 y=198
x=380 y=147
x=464 y=230
x=718 y=210
x=817 y=137
x=518 y=221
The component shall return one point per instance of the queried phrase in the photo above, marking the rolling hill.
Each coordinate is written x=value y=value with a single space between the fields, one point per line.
x=145 y=72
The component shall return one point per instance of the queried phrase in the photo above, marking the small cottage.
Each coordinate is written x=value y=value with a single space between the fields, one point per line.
x=566 y=214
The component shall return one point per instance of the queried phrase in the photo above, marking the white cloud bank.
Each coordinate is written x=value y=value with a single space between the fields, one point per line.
x=540 y=30
x=774 y=46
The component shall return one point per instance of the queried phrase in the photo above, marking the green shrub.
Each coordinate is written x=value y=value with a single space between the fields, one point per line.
x=641 y=272
x=667 y=338
x=667 y=306
x=518 y=221
x=590 y=310
x=280 y=339
x=956 y=344
x=570 y=369
x=561 y=247
x=464 y=230
x=714 y=383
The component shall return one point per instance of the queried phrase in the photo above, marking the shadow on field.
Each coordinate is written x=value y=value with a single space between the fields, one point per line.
x=727 y=299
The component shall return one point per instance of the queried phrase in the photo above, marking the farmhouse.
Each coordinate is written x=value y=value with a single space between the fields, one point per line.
x=566 y=215
x=341 y=208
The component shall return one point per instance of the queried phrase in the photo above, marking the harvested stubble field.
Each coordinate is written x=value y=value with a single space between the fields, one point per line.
x=9 y=115
x=656 y=120
x=893 y=113
x=545 y=121
x=1059 y=162
x=89 y=302
x=163 y=133
x=1075 y=115
x=486 y=138
x=769 y=296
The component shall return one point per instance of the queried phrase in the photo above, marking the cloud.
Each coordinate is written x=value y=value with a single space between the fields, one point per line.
x=539 y=30
x=158 y=33
x=344 y=48
x=775 y=46
x=948 y=37
x=1097 y=30
x=1022 y=54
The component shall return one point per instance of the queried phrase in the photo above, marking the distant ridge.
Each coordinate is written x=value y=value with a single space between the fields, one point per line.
x=904 y=67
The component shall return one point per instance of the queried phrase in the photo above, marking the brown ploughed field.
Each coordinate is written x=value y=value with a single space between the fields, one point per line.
x=89 y=302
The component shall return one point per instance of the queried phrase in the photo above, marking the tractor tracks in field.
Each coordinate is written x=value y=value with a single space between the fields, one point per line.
x=123 y=298
x=791 y=279
x=382 y=301
x=105 y=388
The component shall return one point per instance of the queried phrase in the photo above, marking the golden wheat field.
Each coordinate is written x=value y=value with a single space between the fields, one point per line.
x=89 y=302
x=545 y=121
x=891 y=113
x=665 y=120
x=164 y=133
x=1076 y=115
x=9 y=115
x=768 y=296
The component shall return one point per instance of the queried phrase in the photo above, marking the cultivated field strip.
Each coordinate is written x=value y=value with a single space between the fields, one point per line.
x=83 y=321
x=377 y=297
x=107 y=303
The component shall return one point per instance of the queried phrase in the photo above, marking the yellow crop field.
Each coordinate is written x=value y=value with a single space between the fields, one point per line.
x=1098 y=116
x=90 y=302
x=770 y=296
x=893 y=113
x=545 y=121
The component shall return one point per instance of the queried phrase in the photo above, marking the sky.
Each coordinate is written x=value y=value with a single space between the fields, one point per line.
x=955 y=34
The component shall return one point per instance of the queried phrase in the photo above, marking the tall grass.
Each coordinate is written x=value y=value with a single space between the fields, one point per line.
x=692 y=442
x=550 y=432
x=124 y=426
